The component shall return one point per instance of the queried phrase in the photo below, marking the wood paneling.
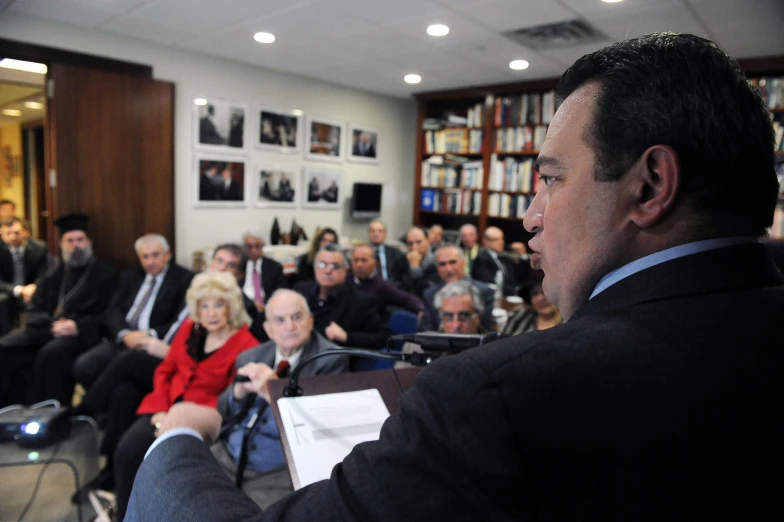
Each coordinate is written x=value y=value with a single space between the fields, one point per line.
x=111 y=143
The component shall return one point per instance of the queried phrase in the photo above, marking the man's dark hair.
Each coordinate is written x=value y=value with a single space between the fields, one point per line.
x=334 y=248
x=7 y=202
x=235 y=250
x=683 y=91
x=7 y=222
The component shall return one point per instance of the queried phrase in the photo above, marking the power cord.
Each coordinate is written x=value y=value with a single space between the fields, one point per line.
x=38 y=482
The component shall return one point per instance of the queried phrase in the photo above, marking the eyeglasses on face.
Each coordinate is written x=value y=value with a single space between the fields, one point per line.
x=462 y=316
x=334 y=266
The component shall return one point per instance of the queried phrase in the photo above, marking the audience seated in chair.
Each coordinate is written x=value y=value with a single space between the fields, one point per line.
x=435 y=238
x=23 y=262
x=341 y=313
x=144 y=306
x=120 y=388
x=495 y=266
x=65 y=318
x=305 y=270
x=450 y=265
x=386 y=255
x=365 y=278
x=469 y=237
x=198 y=367
x=289 y=325
x=262 y=275
x=541 y=316
x=415 y=271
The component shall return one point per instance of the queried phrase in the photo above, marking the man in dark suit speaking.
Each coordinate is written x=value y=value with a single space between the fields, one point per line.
x=658 y=399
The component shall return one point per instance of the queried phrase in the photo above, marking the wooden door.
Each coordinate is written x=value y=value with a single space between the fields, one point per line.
x=111 y=156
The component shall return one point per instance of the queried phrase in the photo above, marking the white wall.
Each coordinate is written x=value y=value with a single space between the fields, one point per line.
x=196 y=74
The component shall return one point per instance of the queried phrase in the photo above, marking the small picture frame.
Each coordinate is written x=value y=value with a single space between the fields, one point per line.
x=220 y=181
x=278 y=185
x=279 y=131
x=220 y=125
x=364 y=146
x=322 y=187
x=325 y=140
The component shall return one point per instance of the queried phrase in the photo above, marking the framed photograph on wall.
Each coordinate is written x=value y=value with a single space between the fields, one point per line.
x=279 y=131
x=364 y=143
x=325 y=139
x=220 y=125
x=220 y=181
x=322 y=187
x=277 y=185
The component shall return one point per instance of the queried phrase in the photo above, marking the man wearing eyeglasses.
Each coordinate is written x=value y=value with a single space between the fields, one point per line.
x=460 y=308
x=340 y=312
x=450 y=264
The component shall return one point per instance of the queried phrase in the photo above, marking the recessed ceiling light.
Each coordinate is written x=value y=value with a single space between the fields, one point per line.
x=12 y=112
x=611 y=1
x=200 y=101
x=34 y=105
x=412 y=78
x=518 y=65
x=297 y=112
x=264 y=37
x=19 y=65
x=438 y=30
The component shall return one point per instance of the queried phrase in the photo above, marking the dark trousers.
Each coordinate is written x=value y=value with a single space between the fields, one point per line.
x=50 y=360
x=91 y=363
x=128 y=457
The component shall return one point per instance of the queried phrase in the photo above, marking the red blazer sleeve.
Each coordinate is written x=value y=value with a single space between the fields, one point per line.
x=159 y=398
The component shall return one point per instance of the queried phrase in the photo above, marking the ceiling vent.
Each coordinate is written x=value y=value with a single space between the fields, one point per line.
x=560 y=35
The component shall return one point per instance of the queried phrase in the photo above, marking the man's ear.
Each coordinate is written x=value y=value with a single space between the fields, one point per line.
x=656 y=179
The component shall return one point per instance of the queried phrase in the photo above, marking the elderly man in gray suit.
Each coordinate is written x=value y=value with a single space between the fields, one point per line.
x=289 y=325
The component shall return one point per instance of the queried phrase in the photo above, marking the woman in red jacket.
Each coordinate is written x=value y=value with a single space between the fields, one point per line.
x=198 y=367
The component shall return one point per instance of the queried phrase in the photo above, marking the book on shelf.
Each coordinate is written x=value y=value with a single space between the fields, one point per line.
x=451 y=172
x=428 y=200
x=453 y=140
x=772 y=91
x=449 y=200
x=473 y=118
x=778 y=129
x=512 y=175
x=520 y=139
x=508 y=205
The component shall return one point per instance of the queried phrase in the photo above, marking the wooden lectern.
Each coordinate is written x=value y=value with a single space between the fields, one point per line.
x=382 y=380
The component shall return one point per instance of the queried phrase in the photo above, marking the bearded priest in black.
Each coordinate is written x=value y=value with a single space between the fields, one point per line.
x=65 y=319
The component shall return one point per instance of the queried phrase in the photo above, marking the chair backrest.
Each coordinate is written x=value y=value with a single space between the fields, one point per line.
x=400 y=322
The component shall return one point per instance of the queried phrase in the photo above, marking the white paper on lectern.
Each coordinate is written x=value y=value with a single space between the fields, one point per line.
x=323 y=429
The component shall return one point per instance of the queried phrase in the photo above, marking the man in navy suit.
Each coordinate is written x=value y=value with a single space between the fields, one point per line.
x=658 y=399
x=145 y=305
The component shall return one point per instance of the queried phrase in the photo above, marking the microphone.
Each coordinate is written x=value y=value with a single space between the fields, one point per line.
x=446 y=343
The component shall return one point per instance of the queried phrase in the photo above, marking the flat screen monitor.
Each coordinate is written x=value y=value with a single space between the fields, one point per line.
x=366 y=200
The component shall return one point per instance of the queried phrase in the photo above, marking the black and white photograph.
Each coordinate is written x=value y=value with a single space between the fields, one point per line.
x=322 y=188
x=364 y=143
x=279 y=131
x=220 y=125
x=219 y=181
x=325 y=140
x=277 y=186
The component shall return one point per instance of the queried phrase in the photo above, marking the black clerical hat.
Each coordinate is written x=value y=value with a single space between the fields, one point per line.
x=71 y=222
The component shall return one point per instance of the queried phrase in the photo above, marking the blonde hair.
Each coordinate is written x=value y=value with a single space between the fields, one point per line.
x=220 y=285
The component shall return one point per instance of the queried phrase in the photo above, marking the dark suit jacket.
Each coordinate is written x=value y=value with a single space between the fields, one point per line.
x=658 y=400
x=431 y=321
x=485 y=268
x=400 y=275
x=391 y=254
x=272 y=277
x=168 y=302
x=232 y=193
x=86 y=305
x=36 y=263
x=353 y=311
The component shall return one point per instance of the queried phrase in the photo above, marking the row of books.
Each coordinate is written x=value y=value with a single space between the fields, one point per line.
x=508 y=205
x=520 y=139
x=455 y=201
x=527 y=109
x=772 y=91
x=473 y=118
x=513 y=175
x=468 y=175
x=453 y=140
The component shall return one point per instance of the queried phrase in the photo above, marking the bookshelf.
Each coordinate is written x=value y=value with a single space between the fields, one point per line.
x=484 y=128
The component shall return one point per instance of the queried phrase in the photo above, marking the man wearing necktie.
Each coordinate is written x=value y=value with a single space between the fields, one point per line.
x=145 y=305
x=289 y=325
x=468 y=241
x=262 y=275
x=492 y=265
x=386 y=255
x=22 y=263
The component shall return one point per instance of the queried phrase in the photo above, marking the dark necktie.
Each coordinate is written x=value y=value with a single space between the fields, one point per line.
x=19 y=275
x=283 y=369
x=133 y=322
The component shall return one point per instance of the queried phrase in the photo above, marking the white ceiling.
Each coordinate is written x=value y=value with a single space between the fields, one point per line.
x=372 y=44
